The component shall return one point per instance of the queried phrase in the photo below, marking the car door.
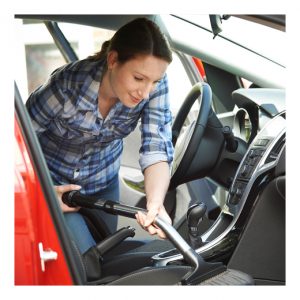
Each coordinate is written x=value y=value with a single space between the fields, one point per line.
x=43 y=254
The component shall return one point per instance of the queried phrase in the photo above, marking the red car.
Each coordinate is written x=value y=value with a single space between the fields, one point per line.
x=242 y=177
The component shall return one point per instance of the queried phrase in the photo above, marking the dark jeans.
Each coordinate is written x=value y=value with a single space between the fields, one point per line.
x=77 y=226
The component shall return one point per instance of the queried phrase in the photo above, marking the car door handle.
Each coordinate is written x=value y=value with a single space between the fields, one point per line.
x=46 y=255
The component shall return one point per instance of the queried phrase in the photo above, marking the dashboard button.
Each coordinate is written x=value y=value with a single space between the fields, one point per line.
x=236 y=192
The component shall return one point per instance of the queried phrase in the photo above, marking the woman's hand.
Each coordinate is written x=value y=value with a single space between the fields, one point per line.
x=60 y=189
x=146 y=220
x=157 y=179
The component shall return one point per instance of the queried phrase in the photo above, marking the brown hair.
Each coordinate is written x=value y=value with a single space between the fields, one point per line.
x=138 y=37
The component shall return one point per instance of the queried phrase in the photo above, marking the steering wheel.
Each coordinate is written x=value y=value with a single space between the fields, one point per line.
x=186 y=143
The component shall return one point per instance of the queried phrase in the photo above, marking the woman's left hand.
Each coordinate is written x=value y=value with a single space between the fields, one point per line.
x=146 y=221
x=60 y=189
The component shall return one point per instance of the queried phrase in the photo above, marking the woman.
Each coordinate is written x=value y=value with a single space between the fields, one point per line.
x=87 y=107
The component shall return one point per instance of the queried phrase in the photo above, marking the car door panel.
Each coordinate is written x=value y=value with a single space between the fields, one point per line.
x=34 y=229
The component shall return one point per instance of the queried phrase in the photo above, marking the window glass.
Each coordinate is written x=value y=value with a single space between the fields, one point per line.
x=88 y=39
x=246 y=83
x=41 y=60
x=258 y=37
x=179 y=83
x=38 y=56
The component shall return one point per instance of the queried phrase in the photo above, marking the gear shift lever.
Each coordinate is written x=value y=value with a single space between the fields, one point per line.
x=195 y=215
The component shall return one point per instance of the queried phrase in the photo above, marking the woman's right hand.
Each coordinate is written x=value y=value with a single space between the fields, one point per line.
x=60 y=189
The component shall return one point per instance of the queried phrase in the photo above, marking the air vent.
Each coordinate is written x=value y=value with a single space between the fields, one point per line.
x=276 y=149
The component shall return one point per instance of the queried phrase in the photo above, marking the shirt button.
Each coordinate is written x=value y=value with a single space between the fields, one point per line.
x=76 y=173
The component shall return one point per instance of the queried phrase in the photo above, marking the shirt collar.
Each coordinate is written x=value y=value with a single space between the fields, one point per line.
x=88 y=95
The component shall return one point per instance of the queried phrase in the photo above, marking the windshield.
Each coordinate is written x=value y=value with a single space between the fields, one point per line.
x=266 y=41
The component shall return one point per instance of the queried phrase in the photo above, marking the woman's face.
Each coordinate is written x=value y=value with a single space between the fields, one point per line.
x=134 y=80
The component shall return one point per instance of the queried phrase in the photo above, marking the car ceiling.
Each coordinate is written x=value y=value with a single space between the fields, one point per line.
x=116 y=21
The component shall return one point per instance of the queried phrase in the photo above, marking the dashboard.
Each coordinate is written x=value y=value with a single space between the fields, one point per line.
x=261 y=122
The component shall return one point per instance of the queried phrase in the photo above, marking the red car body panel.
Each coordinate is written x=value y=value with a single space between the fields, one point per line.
x=34 y=225
x=200 y=67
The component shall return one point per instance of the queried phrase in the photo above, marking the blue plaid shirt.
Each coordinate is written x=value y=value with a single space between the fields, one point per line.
x=82 y=148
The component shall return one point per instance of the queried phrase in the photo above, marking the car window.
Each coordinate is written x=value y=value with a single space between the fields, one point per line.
x=38 y=55
x=179 y=83
x=88 y=39
x=258 y=37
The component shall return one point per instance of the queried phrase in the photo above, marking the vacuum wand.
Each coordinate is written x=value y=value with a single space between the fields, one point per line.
x=75 y=199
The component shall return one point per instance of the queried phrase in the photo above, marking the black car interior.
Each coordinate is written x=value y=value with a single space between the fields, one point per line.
x=245 y=244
